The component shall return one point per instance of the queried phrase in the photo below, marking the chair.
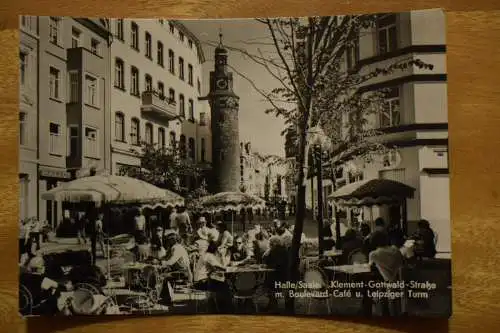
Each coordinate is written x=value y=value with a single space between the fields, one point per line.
x=25 y=301
x=244 y=286
x=314 y=275
x=357 y=257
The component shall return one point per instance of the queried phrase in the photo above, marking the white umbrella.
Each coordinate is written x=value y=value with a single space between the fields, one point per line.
x=112 y=189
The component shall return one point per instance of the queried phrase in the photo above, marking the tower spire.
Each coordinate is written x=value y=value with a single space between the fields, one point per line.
x=221 y=45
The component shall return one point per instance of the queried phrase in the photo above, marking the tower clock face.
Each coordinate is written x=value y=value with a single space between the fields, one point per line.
x=220 y=61
x=221 y=83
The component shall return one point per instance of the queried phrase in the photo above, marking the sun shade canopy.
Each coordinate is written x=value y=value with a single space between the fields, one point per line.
x=372 y=192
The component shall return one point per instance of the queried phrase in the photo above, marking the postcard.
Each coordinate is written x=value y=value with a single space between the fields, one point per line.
x=285 y=166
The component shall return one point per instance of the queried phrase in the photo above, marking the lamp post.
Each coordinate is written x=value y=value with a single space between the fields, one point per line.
x=320 y=143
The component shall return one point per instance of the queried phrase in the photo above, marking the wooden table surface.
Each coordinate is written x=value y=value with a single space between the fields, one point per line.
x=474 y=118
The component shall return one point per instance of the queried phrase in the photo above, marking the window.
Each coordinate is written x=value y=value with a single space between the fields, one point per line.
x=55 y=30
x=134 y=131
x=119 y=127
x=190 y=43
x=134 y=36
x=182 y=146
x=172 y=139
x=149 y=133
x=148 y=45
x=160 y=54
x=190 y=74
x=181 y=68
x=94 y=46
x=161 y=89
x=182 y=111
x=91 y=142
x=54 y=84
x=192 y=151
x=75 y=38
x=171 y=95
x=191 y=109
x=199 y=86
x=73 y=141
x=23 y=66
x=390 y=115
x=171 y=27
x=74 y=87
x=148 y=83
x=91 y=96
x=119 y=29
x=352 y=54
x=203 y=149
x=55 y=145
x=23 y=127
x=161 y=137
x=203 y=120
x=119 y=74
x=181 y=36
x=171 y=61
x=387 y=33
x=134 y=81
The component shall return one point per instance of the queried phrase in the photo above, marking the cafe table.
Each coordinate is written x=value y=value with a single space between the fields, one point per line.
x=358 y=273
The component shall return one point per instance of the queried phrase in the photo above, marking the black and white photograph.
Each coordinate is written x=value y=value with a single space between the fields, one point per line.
x=270 y=166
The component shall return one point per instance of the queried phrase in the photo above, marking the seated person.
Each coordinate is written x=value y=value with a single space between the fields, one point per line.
x=158 y=244
x=386 y=261
x=350 y=243
x=202 y=231
x=208 y=275
x=276 y=258
x=45 y=292
x=225 y=237
x=241 y=253
x=213 y=233
x=260 y=245
x=424 y=240
x=177 y=259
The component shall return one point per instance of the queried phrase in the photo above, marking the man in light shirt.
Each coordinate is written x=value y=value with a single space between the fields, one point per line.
x=140 y=223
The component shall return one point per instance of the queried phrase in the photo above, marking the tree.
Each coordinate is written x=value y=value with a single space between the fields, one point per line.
x=162 y=166
x=315 y=88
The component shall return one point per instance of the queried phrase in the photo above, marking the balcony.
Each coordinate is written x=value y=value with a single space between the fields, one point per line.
x=158 y=105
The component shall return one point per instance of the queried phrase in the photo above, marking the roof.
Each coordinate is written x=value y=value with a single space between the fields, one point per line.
x=196 y=41
x=372 y=192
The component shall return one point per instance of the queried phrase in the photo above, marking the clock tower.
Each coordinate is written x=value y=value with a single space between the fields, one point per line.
x=224 y=105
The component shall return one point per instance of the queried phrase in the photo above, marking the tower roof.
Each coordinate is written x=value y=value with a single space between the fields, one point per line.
x=220 y=48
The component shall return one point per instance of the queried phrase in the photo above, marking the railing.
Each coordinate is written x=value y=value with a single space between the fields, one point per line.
x=155 y=101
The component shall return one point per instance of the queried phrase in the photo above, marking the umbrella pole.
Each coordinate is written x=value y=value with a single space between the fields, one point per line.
x=232 y=222
x=108 y=246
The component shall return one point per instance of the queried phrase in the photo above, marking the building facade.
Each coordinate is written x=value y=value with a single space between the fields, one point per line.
x=28 y=117
x=156 y=84
x=64 y=92
x=414 y=119
x=224 y=104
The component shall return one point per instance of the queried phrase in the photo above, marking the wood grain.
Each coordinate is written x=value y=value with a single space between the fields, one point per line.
x=474 y=118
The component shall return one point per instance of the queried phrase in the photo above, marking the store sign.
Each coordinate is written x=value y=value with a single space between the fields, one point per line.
x=54 y=173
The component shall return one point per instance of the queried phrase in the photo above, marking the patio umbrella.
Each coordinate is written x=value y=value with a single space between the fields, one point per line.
x=113 y=189
x=233 y=201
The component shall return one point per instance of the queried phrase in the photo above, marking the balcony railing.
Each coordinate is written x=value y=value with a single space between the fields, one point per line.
x=158 y=104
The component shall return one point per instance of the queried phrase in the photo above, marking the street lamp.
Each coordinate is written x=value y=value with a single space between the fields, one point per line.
x=320 y=142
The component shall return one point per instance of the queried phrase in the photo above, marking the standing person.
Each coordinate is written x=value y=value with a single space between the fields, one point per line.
x=81 y=225
x=35 y=232
x=97 y=236
x=23 y=237
x=140 y=224
x=277 y=259
x=184 y=224
x=173 y=220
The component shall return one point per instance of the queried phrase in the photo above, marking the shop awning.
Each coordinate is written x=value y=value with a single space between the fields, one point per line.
x=372 y=192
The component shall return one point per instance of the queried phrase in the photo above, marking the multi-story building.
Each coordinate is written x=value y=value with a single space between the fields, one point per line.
x=263 y=176
x=414 y=118
x=157 y=81
x=28 y=116
x=65 y=65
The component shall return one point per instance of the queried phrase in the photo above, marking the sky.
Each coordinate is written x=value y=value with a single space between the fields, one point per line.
x=261 y=129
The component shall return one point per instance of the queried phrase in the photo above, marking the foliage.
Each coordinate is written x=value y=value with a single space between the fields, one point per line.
x=161 y=166
x=192 y=198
